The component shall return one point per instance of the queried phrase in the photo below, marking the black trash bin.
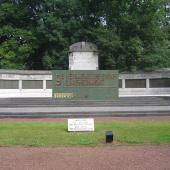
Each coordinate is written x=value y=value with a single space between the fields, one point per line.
x=109 y=136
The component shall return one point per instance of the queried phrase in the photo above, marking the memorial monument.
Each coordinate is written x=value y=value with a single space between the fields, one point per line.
x=83 y=56
x=83 y=80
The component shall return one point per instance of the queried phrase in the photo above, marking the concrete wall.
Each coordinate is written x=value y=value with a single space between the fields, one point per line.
x=38 y=79
x=38 y=84
x=144 y=84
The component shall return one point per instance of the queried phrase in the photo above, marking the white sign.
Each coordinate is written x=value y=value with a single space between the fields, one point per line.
x=77 y=125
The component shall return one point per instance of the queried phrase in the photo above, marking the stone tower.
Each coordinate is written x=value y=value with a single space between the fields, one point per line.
x=83 y=56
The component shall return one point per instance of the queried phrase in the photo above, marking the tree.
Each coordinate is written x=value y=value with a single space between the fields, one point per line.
x=17 y=41
x=130 y=34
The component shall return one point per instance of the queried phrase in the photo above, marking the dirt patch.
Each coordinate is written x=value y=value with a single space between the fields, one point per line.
x=98 y=119
x=108 y=157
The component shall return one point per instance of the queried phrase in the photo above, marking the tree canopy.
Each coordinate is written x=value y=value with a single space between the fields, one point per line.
x=36 y=34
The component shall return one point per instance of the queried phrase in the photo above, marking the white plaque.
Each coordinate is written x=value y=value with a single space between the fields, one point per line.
x=78 y=125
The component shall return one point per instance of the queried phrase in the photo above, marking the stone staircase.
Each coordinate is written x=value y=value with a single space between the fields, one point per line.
x=49 y=102
x=48 y=107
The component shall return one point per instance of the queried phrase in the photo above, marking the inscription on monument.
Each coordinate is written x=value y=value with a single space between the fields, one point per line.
x=82 y=79
x=89 y=84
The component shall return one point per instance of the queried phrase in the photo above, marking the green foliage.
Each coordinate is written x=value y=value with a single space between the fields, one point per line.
x=129 y=34
x=157 y=59
x=16 y=48
x=17 y=41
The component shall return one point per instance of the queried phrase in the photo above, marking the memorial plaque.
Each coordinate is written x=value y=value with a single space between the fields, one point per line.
x=87 y=84
x=78 y=125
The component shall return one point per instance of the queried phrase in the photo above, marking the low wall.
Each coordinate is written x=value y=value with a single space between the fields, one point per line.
x=38 y=83
x=145 y=84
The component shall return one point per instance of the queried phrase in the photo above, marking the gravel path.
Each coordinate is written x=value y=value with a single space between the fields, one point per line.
x=97 y=119
x=86 y=158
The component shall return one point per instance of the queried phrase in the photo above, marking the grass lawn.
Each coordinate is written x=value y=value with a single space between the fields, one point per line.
x=55 y=134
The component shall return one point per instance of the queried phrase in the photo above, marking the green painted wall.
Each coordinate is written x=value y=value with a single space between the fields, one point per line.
x=88 y=85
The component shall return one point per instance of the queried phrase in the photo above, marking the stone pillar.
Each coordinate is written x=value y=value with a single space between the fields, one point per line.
x=147 y=83
x=123 y=84
x=83 y=56
x=44 y=85
x=20 y=85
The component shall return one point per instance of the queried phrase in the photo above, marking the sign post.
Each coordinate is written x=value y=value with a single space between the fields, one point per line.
x=80 y=125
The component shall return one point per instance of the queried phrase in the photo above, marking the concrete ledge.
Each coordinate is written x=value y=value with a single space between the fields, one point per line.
x=83 y=112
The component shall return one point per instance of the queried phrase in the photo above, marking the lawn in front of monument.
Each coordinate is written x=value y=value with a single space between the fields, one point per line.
x=52 y=134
